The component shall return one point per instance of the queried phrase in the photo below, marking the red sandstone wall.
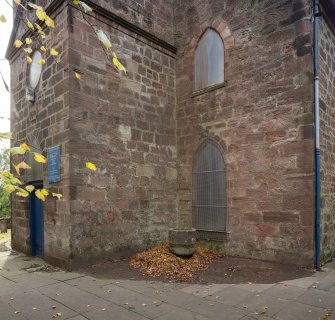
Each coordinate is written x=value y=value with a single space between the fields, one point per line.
x=126 y=125
x=327 y=143
x=51 y=125
x=263 y=118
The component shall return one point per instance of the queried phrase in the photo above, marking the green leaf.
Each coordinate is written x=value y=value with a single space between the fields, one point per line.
x=17 y=150
x=9 y=188
x=5 y=135
x=3 y=18
x=28 y=50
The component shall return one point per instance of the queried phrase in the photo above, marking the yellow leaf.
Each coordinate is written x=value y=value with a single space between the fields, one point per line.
x=39 y=30
x=103 y=38
x=22 y=193
x=77 y=75
x=9 y=188
x=91 y=166
x=28 y=41
x=41 y=14
x=25 y=146
x=18 y=43
x=3 y=18
x=39 y=195
x=45 y=192
x=75 y=1
x=53 y=52
x=17 y=150
x=41 y=61
x=6 y=174
x=30 y=188
x=49 y=22
x=38 y=27
x=29 y=60
x=57 y=195
x=43 y=49
x=39 y=158
x=30 y=25
x=23 y=165
x=117 y=63
x=28 y=50
x=16 y=169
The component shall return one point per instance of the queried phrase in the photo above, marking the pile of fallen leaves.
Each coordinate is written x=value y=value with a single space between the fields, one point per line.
x=160 y=262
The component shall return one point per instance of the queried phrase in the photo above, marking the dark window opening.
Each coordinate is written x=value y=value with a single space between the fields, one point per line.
x=209 y=198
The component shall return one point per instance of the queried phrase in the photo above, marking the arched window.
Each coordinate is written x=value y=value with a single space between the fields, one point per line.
x=209 y=60
x=209 y=199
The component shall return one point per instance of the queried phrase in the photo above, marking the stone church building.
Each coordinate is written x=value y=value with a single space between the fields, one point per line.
x=212 y=127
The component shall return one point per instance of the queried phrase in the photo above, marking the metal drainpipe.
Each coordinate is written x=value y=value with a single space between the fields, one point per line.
x=316 y=13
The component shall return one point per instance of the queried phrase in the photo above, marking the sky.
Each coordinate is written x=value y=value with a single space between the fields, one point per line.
x=5 y=30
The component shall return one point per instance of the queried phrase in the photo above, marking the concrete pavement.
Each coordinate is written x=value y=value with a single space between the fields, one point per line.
x=28 y=292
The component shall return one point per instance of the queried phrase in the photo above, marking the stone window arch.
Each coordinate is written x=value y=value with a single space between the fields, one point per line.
x=209 y=196
x=209 y=60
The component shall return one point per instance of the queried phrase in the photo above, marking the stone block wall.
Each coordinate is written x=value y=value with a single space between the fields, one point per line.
x=262 y=117
x=125 y=124
x=48 y=120
x=327 y=134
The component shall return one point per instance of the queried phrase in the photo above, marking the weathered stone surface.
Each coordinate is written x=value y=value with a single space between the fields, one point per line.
x=327 y=142
x=143 y=130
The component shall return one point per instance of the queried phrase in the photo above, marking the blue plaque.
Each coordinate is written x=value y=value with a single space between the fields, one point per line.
x=54 y=164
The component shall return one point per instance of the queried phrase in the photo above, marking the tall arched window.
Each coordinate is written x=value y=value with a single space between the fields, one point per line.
x=209 y=60
x=209 y=198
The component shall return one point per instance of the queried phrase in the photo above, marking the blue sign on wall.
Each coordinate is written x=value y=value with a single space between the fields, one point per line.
x=54 y=164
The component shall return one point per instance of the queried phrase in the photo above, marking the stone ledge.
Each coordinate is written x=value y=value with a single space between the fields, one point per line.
x=208 y=89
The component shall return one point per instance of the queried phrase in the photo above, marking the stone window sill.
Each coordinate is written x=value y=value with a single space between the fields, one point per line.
x=208 y=89
x=213 y=235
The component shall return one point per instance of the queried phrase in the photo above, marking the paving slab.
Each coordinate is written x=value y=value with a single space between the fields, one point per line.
x=216 y=310
x=182 y=314
x=113 y=312
x=38 y=295
x=73 y=298
x=301 y=282
x=205 y=290
x=254 y=287
x=31 y=280
x=264 y=304
x=79 y=317
x=296 y=310
x=35 y=305
x=284 y=291
x=318 y=298
x=232 y=296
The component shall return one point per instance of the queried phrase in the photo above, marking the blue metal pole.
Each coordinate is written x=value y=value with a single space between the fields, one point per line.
x=317 y=135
